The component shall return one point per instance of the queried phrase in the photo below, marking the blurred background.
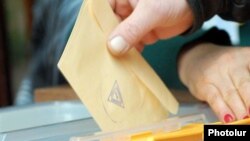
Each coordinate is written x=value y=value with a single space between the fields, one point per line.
x=33 y=34
x=15 y=52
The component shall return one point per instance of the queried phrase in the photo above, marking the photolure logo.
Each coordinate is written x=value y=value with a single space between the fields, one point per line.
x=226 y=132
x=115 y=96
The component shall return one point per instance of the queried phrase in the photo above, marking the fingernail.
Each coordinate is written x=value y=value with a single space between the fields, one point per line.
x=228 y=118
x=118 y=45
x=246 y=117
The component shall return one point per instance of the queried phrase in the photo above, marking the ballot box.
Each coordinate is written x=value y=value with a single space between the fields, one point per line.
x=70 y=120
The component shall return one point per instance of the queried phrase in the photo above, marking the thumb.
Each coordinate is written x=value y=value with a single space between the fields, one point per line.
x=130 y=31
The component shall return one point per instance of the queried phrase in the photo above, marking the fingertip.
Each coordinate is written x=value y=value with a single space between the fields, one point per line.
x=118 y=46
x=225 y=115
x=246 y=117
x=228 y=118
x=218 y=105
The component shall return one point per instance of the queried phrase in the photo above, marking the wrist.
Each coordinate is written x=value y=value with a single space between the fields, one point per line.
x=185 y=59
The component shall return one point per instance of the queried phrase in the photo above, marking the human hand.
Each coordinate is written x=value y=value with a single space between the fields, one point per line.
x=144 y=22
x=221 y=77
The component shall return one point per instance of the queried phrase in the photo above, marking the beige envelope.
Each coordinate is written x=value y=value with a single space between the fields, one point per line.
x=119 y=92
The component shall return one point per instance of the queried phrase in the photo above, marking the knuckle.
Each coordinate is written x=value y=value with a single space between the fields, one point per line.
x=247 y=101
x=229 y=95
x=244 y=90
x=132 y=31
x=226 y=57
x=243 y=83
x=212 y=98
x=206 y=72
x=207 y=76
x=205 y=81
x=163 y=11
x=157 y=7
x=246 y=50
x=205 y=88
x=210 y=92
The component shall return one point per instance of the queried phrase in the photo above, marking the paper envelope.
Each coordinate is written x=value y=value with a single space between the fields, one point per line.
x=119 y=92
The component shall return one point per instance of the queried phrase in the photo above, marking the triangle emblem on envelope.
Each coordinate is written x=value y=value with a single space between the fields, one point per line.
x=115 y=96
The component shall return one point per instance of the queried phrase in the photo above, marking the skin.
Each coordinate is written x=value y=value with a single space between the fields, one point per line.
x=144 y=22
x=219 y=76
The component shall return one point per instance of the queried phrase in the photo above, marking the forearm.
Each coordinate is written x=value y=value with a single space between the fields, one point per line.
x=187 y=60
